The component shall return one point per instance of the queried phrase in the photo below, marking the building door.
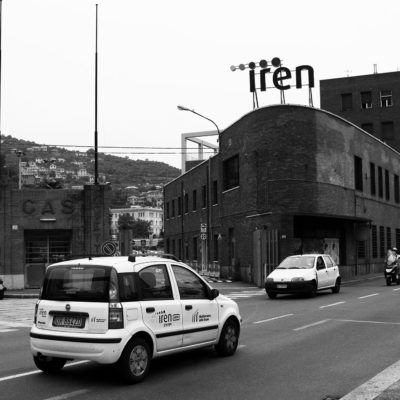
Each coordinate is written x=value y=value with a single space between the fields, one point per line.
x=44 y=247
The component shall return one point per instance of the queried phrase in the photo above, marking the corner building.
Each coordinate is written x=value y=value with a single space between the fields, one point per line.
x=288 y=179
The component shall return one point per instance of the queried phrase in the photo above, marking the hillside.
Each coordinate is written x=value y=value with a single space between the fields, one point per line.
x=71 y=168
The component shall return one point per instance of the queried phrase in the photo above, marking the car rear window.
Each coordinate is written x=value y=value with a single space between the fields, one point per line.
x=77 y=283
x=294 y=262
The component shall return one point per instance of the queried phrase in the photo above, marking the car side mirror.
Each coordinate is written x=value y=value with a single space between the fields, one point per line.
x=214 y=293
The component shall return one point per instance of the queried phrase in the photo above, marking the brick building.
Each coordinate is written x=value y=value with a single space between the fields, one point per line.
x=287 y=179
x=39 y=227
x=372 y=102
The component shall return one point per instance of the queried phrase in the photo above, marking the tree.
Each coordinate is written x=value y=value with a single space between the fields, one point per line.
x=139 y=227
x=125 y=222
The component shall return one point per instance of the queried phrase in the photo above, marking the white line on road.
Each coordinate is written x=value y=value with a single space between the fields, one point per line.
x=368 y=322
x=68 y=395
x=7 y=330
x=369 y=295
x=375 y=386
x=7 y=378
x=395 y=290
x=311 y=325
x=272 y=319
x=333 y=304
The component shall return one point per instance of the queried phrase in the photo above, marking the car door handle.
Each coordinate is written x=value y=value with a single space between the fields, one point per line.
x=188 y=307
x=150 y=309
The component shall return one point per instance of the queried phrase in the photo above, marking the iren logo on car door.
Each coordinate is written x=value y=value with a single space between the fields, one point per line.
x=166 y=319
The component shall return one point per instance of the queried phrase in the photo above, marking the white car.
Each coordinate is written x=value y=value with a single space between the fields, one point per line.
x=127 y=311
x=307 y=273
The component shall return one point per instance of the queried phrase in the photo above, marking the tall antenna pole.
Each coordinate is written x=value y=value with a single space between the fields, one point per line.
x=96 y=171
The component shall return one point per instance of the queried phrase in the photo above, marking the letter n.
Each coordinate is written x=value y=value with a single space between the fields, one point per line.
x=310 y=75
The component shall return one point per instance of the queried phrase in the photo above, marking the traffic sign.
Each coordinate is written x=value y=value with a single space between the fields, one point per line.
x=203 y=236
x=108 y=248
x=203 y=228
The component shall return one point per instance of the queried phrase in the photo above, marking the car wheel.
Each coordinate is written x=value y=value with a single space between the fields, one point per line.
x=336 y=288
x=313 y=290
x=271 y=295
x=229 y=338
x=49 y=364
x=397 y=279
x=134 y=362
x=388 y=281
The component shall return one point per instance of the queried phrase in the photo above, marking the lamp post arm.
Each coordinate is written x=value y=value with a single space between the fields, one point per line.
x=208 y=119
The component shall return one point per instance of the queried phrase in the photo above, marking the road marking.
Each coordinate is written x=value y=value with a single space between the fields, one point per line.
x=333 y=304
x=369 y=295
x=7 y=330
x=311 y=325
x=272 y=319
x=395 y=290
x=368 y=322
x=68 y=395
x=375 y=386
x=7 y=378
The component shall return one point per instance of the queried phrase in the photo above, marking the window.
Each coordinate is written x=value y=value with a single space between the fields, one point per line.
x=190 y=286
x=387 y=129
x=398 y=238
x=179 y=205
x=387 y=185
x=380 y=182
x=361 y=248
x=195 y=248
x=194 y=200
x=347 y=101
x=230 y=171
x=396 y=189
x=204 y=196
x=386 y=98
x=374 y=234
x=382 y=252
x=215 y=192
x=154 y=283
x=127 y=288
x=389 y=237
x=366 y=100
x=372 y=178
x=186 y=203
x=215 y=242
x=173 y=208
x=368 y=127
x=358 y=178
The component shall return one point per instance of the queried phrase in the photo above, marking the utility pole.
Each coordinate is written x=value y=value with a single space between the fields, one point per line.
x=96 y=170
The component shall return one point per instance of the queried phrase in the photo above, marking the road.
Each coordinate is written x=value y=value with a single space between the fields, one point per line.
x=290 y=348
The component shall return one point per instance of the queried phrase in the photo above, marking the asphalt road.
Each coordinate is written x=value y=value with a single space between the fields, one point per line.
x=290 y=348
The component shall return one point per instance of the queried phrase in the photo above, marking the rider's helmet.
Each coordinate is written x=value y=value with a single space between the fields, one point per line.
x=395 y=249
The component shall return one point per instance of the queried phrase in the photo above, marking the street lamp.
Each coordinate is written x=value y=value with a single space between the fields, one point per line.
x=182 y=108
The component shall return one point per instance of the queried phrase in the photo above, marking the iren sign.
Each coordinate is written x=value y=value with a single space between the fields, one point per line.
x=280 y=75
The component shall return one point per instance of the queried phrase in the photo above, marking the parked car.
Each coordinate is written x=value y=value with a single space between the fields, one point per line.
x=307 y=273
x=126 y=311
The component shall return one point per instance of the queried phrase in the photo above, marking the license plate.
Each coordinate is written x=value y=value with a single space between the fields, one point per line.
x=281 y=285
x=69 y=322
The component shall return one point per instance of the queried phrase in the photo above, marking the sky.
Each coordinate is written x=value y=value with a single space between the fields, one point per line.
x=154 y=55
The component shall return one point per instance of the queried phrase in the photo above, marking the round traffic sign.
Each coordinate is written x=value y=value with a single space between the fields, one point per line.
x=109 y=248
x=203 y=236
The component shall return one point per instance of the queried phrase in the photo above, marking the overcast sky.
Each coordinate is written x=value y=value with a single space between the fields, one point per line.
x=154 y=55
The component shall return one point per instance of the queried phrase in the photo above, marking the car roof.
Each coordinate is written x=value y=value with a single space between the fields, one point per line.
x=119 y=261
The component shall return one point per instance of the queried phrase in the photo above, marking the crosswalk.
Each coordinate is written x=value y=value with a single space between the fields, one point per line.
x=243 y=294
x=16 y=314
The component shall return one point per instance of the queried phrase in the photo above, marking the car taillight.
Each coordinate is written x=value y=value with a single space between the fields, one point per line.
x=115 y=316
x=36 y=310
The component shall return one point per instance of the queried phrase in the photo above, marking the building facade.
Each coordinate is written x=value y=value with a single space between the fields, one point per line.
x=149 y=214
x=287 y=180
x=372 y=102
x=39 y=227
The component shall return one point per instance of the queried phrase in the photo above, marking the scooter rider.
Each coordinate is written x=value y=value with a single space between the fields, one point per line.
x=392 y=267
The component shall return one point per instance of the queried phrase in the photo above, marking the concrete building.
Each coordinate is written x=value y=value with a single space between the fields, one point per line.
x=39 y=227
x=287 y=179
x=372 y=102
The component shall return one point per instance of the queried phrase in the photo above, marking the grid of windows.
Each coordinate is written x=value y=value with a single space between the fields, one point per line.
x=361 y=248
x=382 y=252
x=374 y=234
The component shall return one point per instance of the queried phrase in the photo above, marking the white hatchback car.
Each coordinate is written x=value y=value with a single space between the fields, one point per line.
x=127 y=311
x=307 y=273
